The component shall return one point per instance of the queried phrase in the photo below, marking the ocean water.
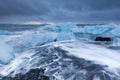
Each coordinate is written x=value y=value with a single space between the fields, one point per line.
x=18 y=27
x=66 y=51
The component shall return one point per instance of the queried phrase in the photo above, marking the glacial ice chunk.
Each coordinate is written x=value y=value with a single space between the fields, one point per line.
x=32 y=39
x=2 y=32
x=65 y=36
x=6 y=52
x=70 y=27
x=61 y=27
x=98 y=29
x=84 y=32
x=38 y=38
x=116 y=32
x=51 y=28
x=78 y=30
x=66 y=27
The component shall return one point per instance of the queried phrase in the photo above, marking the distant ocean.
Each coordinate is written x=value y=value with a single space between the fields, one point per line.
x=20 y=27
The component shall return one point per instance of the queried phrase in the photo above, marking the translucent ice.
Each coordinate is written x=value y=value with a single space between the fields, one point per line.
x=66 y=27
x=116 y=32
x=62 y=36
x=61 y=27
x=98 y=29
x=4 y=32
x=6 y=52
x=38 y=38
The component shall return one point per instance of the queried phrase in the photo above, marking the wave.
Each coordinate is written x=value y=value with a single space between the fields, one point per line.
x=63 y=47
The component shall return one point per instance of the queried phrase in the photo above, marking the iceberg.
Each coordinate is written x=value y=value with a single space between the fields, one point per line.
x=66 y=27
x=51 y=27
x=71 y=27
x=78 y=30
x=98 y=29
x=116 y=32
x=62 y=36
x=70 y=30
x=36 y=38
x=2 y=32
x=61 y=27
x=6 y=52
x=40 y=38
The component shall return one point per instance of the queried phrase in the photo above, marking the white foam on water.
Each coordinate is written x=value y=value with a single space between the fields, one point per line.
x=14 y=65
x=95 y=53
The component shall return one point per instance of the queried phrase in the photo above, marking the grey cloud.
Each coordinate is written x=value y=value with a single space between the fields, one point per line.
x=60 y=10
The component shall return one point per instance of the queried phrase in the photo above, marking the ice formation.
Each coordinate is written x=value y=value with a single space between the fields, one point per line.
x=33 y=39
x=71 y=31
x=61 y=27
x=62 y=36
x=4 y=32
x=6 y=52
x=116 y=32
x=98 y=29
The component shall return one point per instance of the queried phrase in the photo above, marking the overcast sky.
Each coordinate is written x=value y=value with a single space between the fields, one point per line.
x=79 y=11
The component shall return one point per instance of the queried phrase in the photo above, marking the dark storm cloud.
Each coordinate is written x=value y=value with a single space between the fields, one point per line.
x=20 y=7
x=60 y=10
